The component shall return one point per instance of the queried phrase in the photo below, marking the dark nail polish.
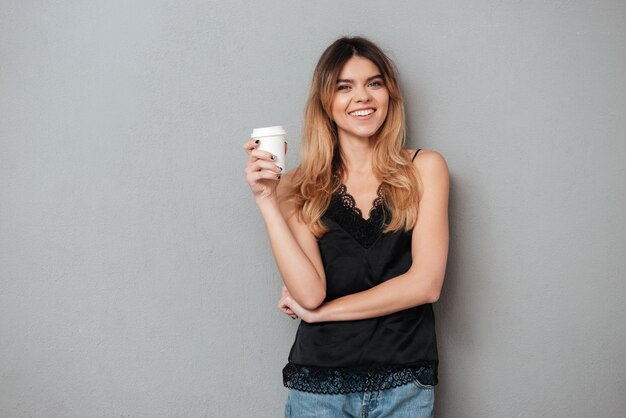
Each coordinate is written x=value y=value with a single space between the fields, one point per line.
x=279 y=177
x=274 y=157
x=257 y=141
x=281 y=169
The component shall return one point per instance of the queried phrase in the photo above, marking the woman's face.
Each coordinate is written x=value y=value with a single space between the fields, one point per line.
x=361 y=99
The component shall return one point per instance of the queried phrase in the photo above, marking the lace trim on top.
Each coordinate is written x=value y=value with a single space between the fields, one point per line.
x=343 y=210
x=347 y=380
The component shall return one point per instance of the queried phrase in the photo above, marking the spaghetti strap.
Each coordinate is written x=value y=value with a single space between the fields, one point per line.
x=418 y=150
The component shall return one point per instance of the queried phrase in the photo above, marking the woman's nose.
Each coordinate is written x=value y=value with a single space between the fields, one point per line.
x=361 y=95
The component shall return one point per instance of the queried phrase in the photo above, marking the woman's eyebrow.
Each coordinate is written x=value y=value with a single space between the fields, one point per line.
x=347 y=80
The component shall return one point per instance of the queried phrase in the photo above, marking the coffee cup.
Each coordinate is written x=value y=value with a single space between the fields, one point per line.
x=272 y=139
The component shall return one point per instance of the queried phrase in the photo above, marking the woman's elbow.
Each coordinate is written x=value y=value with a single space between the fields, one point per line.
x=434 y=292
x=312 y=302
x=428 y=291
x=433 y=296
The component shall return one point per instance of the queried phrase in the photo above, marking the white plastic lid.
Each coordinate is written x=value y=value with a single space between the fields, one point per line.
x=269 y=131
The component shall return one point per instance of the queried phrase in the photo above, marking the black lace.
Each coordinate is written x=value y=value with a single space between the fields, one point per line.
x=347 y=380
x=343 y=210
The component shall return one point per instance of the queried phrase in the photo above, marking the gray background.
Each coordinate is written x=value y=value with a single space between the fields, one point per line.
x=136 y=276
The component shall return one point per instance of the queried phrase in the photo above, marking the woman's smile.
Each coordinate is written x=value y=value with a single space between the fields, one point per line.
x=362 y=113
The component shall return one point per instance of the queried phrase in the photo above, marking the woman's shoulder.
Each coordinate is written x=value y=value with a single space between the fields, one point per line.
x=425 y=156
x=430 y=164
x=432 y=169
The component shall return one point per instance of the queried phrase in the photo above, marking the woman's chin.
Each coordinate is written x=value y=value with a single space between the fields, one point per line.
x=360 y=133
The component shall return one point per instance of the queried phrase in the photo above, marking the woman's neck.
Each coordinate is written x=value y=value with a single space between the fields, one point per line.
x=357 y=155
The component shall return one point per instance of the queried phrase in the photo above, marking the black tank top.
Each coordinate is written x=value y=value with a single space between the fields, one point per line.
x=369 y=354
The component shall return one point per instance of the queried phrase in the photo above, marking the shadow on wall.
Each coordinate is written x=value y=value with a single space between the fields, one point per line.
x=455 y=316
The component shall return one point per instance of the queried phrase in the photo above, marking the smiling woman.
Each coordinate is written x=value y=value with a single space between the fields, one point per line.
x=362 y=286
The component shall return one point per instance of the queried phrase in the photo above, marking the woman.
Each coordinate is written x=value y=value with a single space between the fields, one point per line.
x=361 y=281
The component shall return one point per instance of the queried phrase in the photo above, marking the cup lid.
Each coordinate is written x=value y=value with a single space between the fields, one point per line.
x=268 y=131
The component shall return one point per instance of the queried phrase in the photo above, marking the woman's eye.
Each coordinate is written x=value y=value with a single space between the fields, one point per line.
x=343 y=87
x=376 y=84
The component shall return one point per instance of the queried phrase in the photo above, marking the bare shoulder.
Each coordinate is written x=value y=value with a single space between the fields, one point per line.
x=432 y=169
x=430 y=160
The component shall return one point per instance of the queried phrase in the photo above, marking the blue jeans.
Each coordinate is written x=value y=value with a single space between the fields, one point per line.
x=413 y=400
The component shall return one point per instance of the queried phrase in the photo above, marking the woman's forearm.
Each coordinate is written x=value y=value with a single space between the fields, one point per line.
x=396 y=294
x=299 y=274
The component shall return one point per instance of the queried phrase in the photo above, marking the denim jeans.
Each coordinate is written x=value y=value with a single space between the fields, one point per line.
x=412 y=400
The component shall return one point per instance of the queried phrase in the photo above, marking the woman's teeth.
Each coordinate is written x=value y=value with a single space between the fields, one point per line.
x=362 y=112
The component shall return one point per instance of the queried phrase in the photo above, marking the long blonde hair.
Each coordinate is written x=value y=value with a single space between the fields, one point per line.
x=320 y=156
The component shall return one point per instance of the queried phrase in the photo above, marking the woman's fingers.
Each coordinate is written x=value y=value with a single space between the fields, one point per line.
x=282 y=303
x=284 y=307
x=259 y=165
x=256 y=176
x=262 y=170
x=250 y=145
x=251 y=148
x=258 y=154
x=289 y=312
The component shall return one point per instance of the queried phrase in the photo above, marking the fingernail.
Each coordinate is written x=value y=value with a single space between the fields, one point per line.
x=274 y=157
x=256 y=141
x=281 y=169
x=279 y=177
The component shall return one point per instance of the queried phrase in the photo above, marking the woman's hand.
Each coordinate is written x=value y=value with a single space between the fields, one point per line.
x=289 y=306
x=284 y=308
x=262 y=173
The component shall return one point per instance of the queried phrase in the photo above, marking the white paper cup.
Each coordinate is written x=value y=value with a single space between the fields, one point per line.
x=272 y=139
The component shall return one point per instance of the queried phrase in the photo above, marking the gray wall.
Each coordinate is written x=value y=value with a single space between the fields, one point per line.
x=136 y=277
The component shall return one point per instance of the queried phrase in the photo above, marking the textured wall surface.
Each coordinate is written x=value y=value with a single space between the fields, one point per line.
x=136 y=278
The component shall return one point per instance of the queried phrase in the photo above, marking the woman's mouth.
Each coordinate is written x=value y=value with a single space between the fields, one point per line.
x=361 y=113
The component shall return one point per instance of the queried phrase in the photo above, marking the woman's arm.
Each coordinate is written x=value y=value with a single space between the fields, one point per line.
x=293 y=245
x=429 y=248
